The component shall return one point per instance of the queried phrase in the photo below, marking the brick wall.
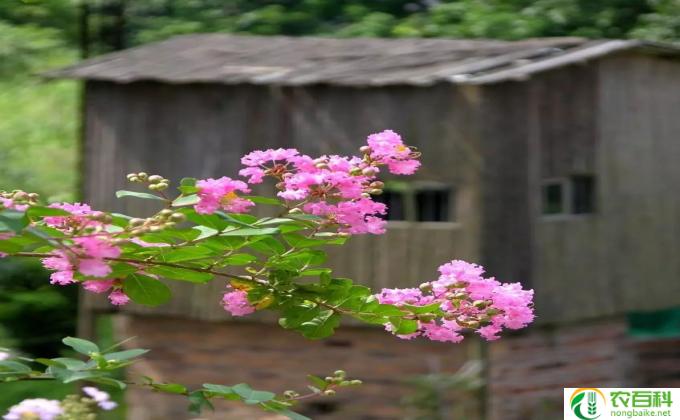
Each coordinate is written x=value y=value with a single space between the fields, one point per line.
x=268 y=357
x=527 y=372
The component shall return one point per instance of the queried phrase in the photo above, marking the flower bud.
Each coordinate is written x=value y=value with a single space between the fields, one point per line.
x=136 y=222
x=375 y=191
x=365 y=149
x=355 y=171
x=377 y=184
x=155 y=229
x=425 y=287
x=329 y=392
x=155 y=179
x=33 y=196
x=162 y=186
x=369 y=171
x=290 y=394
x=130 y=176
x=321 y=165
x=340 y=373
x=295 y=210
x=329 y=379
x=178 y=217
x=143 y=176
x=480 y=304
x=165 y=213
x=355 y=382
x=493 y=311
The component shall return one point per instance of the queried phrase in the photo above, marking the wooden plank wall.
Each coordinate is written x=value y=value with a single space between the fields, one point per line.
x=202 y=130
x=619 y=120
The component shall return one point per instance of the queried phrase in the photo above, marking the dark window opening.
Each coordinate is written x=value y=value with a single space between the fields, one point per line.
x=553 y=202
x=582 y=194
x=418 y=202
x=432 y=205
x=395 y=202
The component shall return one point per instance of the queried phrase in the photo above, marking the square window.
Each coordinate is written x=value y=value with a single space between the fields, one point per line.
x=395 y=202
x=432 y=205
x=582 y=194
x=553 y=197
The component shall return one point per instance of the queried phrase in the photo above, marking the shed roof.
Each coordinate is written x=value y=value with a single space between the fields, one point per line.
x=279 y=60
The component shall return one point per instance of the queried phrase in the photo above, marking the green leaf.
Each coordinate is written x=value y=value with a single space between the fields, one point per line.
x=251 y=396
x=321 y=326
x=12 y=366
x=300 y=241
x=205 y=232
x=125 y=354
x=198 y=402
x=219 y=389
x=80 y=345
x=146 y=290
x=104 y=380
x=186 y=200
x=240 y=259
x=188 y=186
x=10 y=245
x=403 y=326
x=263 y=200
x=267 y=245
x=143 y=195
x=181 y=274
x=426 y=309
x=37 y=212
x=250 y=232
x=70 y=363
x=186 y=254
x=318 y=382
x=13 y=220
x=170 y=388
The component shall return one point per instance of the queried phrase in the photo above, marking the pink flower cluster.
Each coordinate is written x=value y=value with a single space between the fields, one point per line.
x=215 y=194
x=337 y=188
x=469 y=302
x=87 y=254
x=236 y=303
x=10 y=204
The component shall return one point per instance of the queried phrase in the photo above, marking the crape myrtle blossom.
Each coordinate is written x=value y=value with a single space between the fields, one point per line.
x=103 y=399
x=216 y=194
x=467 y=300
x=35 y=408
x=337 y=188
x=236 y=303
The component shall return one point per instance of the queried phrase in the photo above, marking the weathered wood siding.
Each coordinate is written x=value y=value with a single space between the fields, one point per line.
x=202 y=130
x=618 y=119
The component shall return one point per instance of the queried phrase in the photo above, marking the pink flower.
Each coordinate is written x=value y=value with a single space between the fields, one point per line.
x=35 y=408
x=387 y=148
x=98 y=286
x=79 y=213
x=221 y=193
x=255 y=175
x=118 y=297
x=62 y=278
x=8 y=203
x=103 y=399
x=466 y=301
x=236 y=303
x=268 y=157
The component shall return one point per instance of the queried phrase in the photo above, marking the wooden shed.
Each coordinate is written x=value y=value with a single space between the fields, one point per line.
x=552 y=162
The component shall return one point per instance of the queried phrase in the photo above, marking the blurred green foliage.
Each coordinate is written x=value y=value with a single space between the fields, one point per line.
x=34 y=315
